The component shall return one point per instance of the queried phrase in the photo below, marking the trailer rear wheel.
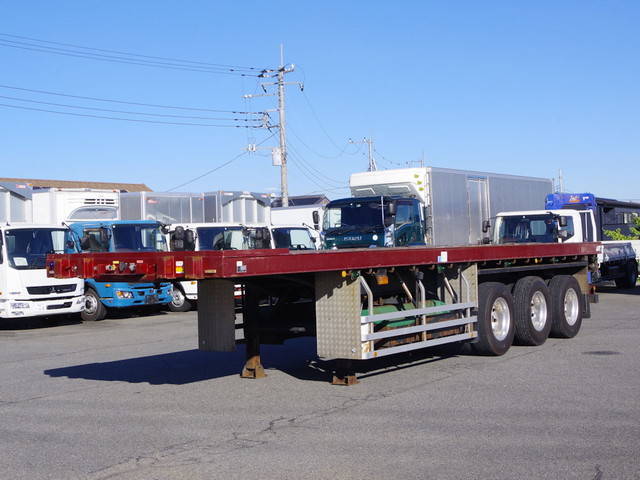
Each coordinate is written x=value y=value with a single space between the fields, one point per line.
x=630 y=277
x=566 y=301
x=495 y=319
x=94 y=310
x=532 y=311
x=179 y=301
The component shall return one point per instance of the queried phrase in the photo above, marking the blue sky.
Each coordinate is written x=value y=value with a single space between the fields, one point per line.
x=514 y=87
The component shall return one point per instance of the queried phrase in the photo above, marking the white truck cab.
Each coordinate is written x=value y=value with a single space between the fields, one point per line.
x=616 y=259
x=25 y=289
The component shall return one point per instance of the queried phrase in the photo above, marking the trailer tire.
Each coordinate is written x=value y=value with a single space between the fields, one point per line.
x=630 y=277
x=179 y=301
x=494 y=320
x=94 y=310
x=532 y=311
x=566 y=306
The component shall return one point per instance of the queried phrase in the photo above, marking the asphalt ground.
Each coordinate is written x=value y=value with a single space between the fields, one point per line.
x=131 y=398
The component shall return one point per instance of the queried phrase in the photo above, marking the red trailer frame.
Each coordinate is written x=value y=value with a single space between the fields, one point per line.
x=335 y=283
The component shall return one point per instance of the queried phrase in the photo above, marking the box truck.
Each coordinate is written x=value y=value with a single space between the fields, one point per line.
x=424 y=206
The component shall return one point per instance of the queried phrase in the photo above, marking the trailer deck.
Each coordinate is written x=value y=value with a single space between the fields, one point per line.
x=360 y=304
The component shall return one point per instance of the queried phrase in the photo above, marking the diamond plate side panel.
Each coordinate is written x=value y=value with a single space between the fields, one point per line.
x=338 y=316
x=216 y=316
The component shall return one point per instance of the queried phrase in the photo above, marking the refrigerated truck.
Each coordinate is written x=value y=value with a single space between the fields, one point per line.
x=25 y=289
x=425 y=206
x=58 y=205
x=120 y=236
x=368 y=303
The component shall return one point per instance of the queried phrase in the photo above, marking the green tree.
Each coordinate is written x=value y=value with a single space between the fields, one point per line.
x=618 y=235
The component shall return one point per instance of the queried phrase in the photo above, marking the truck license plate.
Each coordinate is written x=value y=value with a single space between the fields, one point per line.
x=151 y=299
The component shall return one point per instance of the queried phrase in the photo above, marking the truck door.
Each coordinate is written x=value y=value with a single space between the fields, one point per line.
x=587 y=226
x=478 y=201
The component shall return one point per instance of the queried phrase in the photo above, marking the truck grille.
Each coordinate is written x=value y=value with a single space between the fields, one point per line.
x=59 y=306
x=46 y=289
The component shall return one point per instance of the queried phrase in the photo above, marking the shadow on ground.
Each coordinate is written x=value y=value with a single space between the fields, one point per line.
x=611 y=288
x=297 y=357
x=32 y=323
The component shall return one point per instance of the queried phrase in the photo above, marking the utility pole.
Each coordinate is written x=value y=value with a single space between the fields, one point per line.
x=280 y=83
x=560 y=181
x=372 y=161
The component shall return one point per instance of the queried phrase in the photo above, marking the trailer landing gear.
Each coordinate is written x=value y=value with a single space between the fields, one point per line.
x=344 y=374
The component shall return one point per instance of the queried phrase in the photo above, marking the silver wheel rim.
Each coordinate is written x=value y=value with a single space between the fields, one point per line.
x=500 y=318
x=538 y=311
x=571 y=306
x=177 y=298
x=90 y=304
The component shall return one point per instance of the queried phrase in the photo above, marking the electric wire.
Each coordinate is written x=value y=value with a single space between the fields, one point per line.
x=311 y=168
x=228 y=162
x=304 y=168
x=122 y=102
x=123 y=60
x=327 y=157
x=22 y=37
x=137 y=120
x=129 y=112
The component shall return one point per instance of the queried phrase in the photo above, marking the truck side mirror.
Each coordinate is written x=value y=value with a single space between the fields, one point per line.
x=563 y=234
x=486 y=225
x=316 y=219
x=392 y=208
x=562 y=221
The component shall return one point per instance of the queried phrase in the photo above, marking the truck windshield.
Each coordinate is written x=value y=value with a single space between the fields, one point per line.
x=27 y=248
x=138 y=238
x=355 y=215
x=528 y=229
x=232 y=238
x=293 y=238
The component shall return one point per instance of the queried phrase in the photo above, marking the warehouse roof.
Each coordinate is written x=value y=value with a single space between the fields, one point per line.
x=36 y=183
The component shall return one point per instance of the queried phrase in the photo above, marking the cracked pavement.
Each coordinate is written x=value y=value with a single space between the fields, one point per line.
x=131 y=398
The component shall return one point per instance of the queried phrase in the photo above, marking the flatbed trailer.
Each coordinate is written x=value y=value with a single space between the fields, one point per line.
x=367 y=303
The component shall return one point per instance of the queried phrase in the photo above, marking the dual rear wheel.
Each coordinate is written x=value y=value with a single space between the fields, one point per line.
x=528 y=314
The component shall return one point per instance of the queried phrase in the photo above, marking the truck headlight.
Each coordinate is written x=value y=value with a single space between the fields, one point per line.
x=123 y=294
x=18 y=305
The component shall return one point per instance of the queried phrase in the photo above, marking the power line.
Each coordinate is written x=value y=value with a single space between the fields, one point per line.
x=119 y=59
x=128 y=112
x=228 y=162
x=328 y=157
x=125 y=119
x=307 y=172
x=312 y=168
x=237 y=67
x=318 y=120
x=122 y=102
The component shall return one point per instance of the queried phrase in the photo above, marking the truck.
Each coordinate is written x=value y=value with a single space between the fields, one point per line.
x=615 y=260
x=120 y=236
x=424 y=206
x=25 y=289
x=220 y=206
x=609 y=214
x=58 y=205
x=372 y=303
x=227 y=236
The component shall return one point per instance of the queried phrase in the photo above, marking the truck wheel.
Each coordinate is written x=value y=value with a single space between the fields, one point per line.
x=630 y=277
x=532 y=311
x=94 y=310
x=495 y=319
x=566 y=306
x=179 y=302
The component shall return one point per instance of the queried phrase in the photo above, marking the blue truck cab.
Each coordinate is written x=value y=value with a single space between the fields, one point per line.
x=120 y=236
x=369 y=222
